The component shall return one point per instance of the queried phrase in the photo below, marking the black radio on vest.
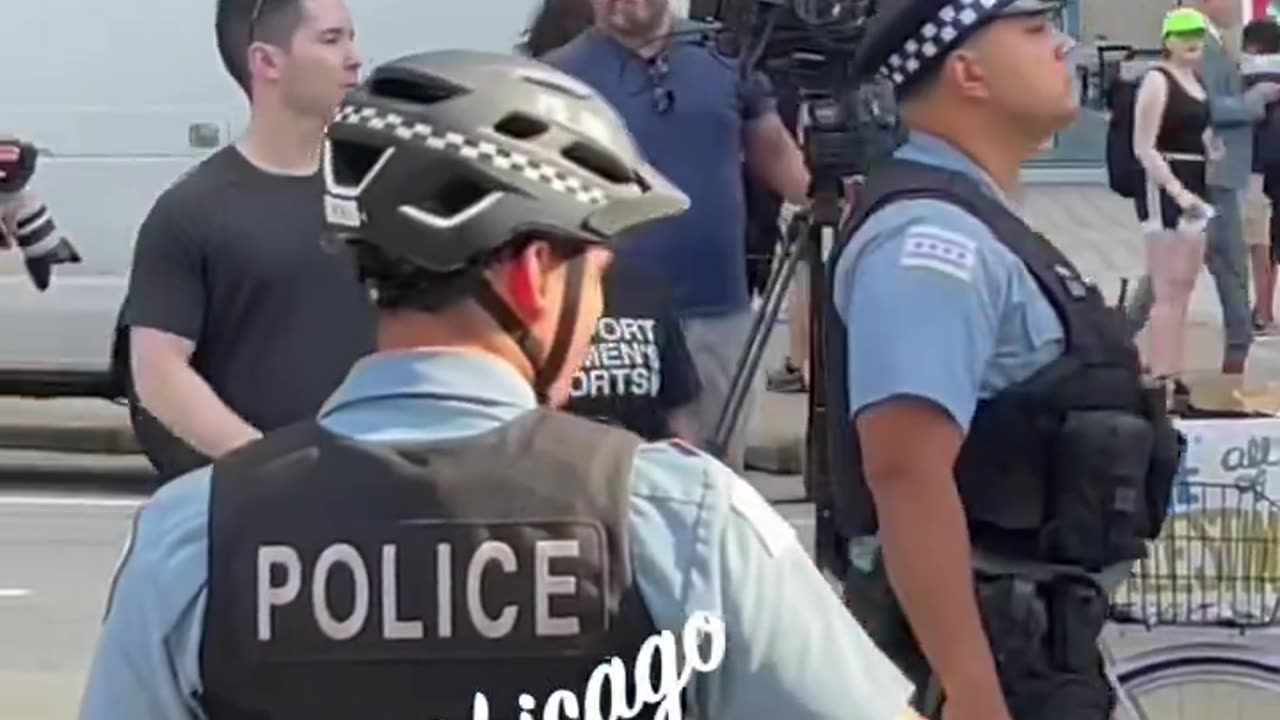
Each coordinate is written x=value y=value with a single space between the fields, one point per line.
x=496 y=564
x=1072 y=466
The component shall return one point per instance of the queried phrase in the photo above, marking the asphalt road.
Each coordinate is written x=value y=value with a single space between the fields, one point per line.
x=63 y=522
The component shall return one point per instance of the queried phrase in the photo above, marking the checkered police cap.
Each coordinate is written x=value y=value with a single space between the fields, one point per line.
x=907 y=38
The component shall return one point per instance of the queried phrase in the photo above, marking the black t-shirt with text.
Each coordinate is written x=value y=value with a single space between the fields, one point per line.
x=230 y=257
x=638 y=369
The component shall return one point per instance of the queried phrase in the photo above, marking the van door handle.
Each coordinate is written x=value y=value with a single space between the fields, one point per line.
x=204 y=135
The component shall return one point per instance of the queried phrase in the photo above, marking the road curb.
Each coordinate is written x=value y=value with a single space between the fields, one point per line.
x=69 y=438
x=782 y=457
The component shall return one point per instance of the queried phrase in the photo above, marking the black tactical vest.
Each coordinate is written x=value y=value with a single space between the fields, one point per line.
x=359 y=580
x=1073 y=465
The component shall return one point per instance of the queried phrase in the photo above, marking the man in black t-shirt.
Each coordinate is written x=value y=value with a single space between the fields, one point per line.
x=638 y=373
x=239 y=320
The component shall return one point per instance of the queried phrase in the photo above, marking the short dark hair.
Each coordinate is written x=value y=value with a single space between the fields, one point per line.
x=1262 y=35
x=239 y=23
x=556 y=23
x=398 y=284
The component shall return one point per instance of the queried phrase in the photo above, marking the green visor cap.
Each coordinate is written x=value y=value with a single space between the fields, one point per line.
x=1184 y=21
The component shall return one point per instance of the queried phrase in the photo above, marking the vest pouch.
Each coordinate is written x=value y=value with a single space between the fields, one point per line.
x=1167 y=449
x=1098 y=506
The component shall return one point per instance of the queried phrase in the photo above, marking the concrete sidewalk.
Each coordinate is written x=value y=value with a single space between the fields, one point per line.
x=1097 y=229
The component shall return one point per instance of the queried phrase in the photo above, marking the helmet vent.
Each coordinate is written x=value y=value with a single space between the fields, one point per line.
x=599 y=163
x=353 y=161
x=418 y=90
x=521 y=127
x=454 y=197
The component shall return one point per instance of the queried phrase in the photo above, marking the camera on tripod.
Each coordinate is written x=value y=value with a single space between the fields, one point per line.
x=851 y=124
x=810 y=45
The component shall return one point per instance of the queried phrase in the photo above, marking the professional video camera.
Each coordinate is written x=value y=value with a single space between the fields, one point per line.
x=848 y=125
x=25 y=221
x=809 y=45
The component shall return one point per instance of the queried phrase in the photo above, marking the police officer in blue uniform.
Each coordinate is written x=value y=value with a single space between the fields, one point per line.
x=438 y=532
x=998 y=458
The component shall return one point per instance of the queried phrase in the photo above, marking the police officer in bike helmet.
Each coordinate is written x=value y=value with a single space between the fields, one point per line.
x=998 y=457
x=439 y=541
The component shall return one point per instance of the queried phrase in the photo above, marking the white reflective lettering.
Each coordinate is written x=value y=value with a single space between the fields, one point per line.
x=331 y=626
x=614 y=673
x=527 y=706
x=393 y=628
x=444 y=590
x=565 y=704
x=704 y=626
x=664 y=645
x=490 y=550
x=269 y=596
x=608 y=329
x=545 y=584
x=561 y=704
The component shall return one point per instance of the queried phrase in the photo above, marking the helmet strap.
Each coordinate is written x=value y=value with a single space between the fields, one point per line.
x=545 y=369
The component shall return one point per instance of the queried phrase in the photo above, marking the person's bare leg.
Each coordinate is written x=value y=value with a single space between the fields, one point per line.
x=1170 y=259
x=1188 y=259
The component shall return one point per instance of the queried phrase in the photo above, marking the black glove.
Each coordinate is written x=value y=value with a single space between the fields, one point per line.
x=17 y=165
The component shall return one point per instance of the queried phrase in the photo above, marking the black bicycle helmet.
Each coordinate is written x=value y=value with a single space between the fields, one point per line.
x=440 y=159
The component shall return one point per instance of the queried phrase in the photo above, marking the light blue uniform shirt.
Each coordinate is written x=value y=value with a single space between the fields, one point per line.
x=936 y=307
x=702 y=539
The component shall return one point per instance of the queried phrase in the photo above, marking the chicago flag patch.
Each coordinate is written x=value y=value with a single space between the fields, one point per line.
x=934 y=248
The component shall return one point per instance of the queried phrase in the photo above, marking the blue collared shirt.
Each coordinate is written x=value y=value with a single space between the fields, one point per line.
x=936 y=307
x=702 y=540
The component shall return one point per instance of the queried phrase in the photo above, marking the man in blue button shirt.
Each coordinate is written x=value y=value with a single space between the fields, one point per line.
x=697 y=119
x=510 y=267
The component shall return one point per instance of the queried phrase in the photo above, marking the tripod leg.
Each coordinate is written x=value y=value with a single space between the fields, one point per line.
x=749 y=362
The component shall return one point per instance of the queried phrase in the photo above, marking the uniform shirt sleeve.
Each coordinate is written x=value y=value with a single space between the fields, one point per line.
x=167 y=281
x=705 y=541
x=921 y=304
x=147 y=662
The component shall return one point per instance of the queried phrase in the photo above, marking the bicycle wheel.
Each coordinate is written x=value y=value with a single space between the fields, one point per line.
x=1201 y=684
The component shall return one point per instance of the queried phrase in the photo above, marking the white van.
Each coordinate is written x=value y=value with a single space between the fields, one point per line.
x=121 y=98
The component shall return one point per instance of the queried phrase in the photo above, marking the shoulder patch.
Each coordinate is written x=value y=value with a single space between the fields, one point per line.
x=774 y=532
x=683 y=448
x=941 y=250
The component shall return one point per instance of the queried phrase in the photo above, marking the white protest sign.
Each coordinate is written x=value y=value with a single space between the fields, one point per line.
x=1218 y=555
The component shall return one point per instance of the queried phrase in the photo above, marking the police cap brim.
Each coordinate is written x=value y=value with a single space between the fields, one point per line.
x=894 y=24
x=1031 y=7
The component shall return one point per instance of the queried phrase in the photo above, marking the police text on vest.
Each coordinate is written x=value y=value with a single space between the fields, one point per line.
x=435 y=594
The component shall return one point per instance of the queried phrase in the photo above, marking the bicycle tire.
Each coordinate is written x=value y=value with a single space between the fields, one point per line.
x=1247 y=661
x=1245 y=666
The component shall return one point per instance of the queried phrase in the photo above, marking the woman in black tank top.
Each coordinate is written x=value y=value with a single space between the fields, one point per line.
x=1172 y=140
